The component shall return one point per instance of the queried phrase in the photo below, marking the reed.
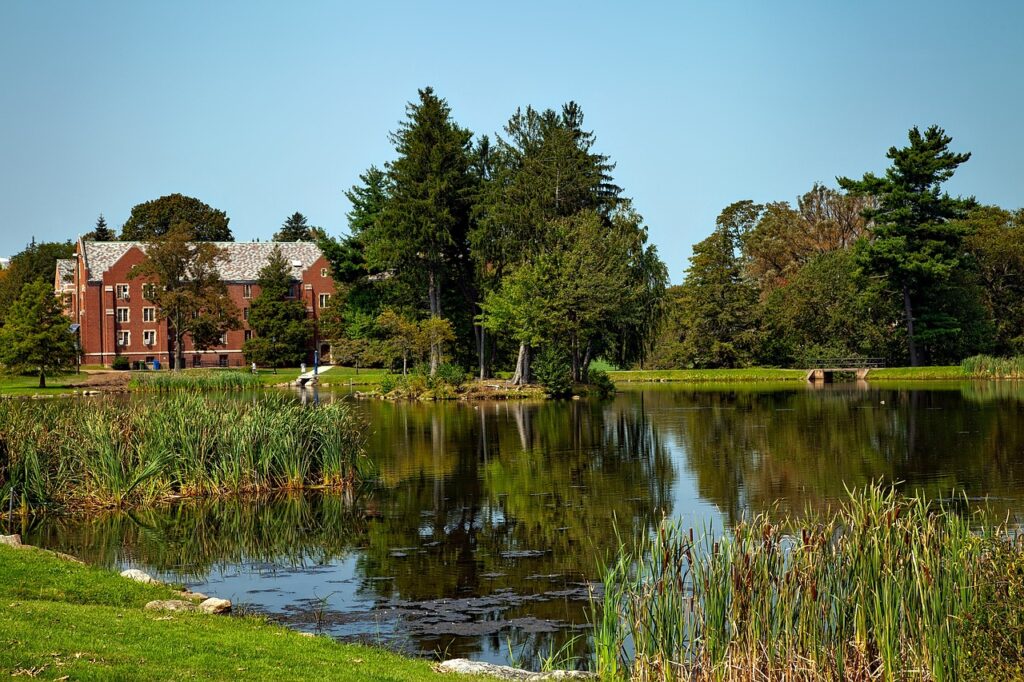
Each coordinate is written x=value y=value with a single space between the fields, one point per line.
x=195 y=380
x=111 y=452
x=987 y=366
x=886 y=587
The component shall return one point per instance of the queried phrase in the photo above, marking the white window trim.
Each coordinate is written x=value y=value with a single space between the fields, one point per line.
x=149 y=314
x=323 y=272
x=151 y=333
x=127 y=314
x=324 y=300
x=127 y=336
x=118 y=288
x=247 y=291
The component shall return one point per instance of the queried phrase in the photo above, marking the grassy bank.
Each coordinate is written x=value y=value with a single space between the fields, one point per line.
x=63 y=620
x=194 y=380
x=887 y=587
x=708 y=375
x=108 y=452
x=29 y=386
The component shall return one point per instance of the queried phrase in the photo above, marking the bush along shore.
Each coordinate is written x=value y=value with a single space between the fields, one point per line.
x=109 y=452
x=887 y=587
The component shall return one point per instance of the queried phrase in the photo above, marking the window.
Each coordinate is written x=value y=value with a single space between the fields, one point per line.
x=248 y=334
x=148 y=291
x=149 y=314
x=121 y=291
x=197 y=360
x=222 y=360
x=323 y=272
x=245 y=314
x=122 y=315
x=246 y=291
x=149 y=337
x=324 y=298
x=124 y=338
x=293 y=291
x=224 y=339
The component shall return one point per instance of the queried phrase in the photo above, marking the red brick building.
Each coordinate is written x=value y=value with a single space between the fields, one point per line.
x=116 y=320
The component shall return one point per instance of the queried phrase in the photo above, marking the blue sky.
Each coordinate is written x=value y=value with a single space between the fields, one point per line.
x=265 y=108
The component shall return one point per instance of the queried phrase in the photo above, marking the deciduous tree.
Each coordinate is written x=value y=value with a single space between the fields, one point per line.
x=156 y=218
x=187 y=289
x=37 y=261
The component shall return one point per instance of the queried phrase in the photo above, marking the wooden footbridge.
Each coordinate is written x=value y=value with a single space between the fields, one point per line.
x=824 y=370
x=312 y=375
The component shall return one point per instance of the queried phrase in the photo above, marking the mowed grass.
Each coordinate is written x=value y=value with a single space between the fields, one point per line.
x=62 y=620
x=707 y=375
x=28 y=386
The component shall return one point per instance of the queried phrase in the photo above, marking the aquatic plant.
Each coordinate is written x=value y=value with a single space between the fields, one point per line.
x=111 y=452
x=885 y=587
x=988 y=366
x=195 y=380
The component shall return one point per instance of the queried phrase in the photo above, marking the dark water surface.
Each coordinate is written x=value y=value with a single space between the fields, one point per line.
x=482 y=535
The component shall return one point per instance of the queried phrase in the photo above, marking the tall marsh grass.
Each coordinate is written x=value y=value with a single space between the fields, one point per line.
x=195 y=380
x=887 y=587
x=987 y=366
x=114 y=453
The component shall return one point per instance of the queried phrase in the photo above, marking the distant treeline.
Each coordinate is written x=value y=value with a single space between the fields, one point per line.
x=889 y=267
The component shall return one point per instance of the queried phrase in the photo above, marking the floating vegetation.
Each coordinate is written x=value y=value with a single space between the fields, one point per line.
x=116 y=453
x=887 y=587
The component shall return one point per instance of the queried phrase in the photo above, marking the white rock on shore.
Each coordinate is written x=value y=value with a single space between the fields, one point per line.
x=138 y=576
x=170 y=605
x=462 y=666
x=215 y=605
x=11 y=540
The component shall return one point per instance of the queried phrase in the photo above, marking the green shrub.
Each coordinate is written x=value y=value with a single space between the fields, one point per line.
x=600 y=383
x=553 y=371
x=388 y=382
x=451 y=374
x=121 y=363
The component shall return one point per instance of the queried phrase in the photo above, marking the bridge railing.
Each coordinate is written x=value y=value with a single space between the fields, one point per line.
x=847 y=363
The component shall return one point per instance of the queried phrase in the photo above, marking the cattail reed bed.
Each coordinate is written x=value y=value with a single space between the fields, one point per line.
x=986 y=366
x=110 y=452
x=887 y=587
x=195 y=380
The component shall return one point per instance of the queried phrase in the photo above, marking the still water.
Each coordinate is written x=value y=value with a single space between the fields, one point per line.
x=482 y=533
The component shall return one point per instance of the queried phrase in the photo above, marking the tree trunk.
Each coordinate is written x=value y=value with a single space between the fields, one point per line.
x=481 y=338
x=42 y=378
x=435 y=311
x=575 y=346
x=909 y=312
x=405 y=363
x=586 y=362
x=522 y=373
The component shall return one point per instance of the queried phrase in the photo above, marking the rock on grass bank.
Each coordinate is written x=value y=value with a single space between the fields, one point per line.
x=60 y=619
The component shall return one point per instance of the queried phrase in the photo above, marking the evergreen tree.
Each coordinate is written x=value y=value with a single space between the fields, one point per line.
x=36 y=335
x=719 y=323
x=101 y=233
x=296 y=228
x=281 y=330
x=187 y=289
x=916 y=234
x=156 y=218
x=422 y=234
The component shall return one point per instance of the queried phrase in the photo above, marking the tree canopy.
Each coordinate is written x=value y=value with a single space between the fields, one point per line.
x=156 y=218
x=38 y=261
x=296 y=228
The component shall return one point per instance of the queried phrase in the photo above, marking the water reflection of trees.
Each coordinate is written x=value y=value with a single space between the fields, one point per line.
x=516 y=496
x=798 y=448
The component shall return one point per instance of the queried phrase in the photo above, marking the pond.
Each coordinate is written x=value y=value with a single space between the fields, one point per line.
x=483 y=530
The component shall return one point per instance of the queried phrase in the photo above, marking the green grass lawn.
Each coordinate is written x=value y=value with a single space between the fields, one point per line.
x=62 y=620
x=26 y=386
x=716 y=375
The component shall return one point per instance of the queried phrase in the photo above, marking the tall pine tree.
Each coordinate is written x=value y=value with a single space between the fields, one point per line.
x=916 y=234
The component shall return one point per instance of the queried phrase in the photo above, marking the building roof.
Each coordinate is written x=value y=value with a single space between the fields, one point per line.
x=244 y=262
x=66 y=272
